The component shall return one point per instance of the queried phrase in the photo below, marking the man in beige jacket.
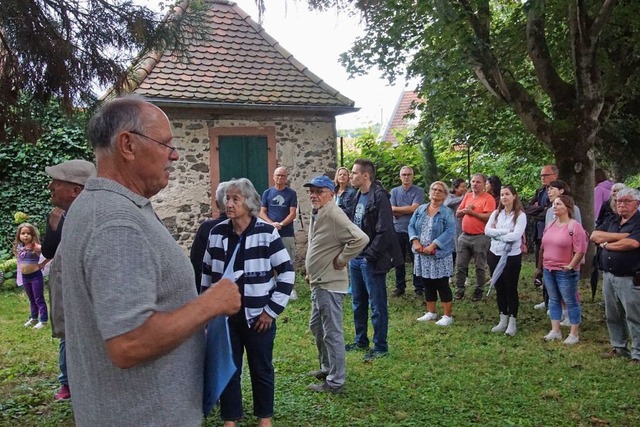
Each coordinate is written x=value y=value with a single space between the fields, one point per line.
x=333 y=241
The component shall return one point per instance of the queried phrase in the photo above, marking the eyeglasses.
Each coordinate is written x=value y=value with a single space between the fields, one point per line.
x=170 y=147
x=406 y=174
x=625 y=201
x=544 y=175
x=317 y=192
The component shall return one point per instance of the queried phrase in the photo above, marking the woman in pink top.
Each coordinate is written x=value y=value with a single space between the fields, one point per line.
x=564 y=244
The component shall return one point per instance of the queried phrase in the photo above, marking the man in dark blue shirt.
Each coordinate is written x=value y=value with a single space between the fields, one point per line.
x=279 y=204
x=619 y=238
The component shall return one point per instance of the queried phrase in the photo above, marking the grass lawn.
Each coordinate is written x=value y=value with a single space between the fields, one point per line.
x=433 y=376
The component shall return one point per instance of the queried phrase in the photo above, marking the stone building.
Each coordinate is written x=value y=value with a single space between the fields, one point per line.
x=240 y=105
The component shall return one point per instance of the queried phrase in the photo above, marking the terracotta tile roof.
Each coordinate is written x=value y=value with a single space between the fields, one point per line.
x=406 y=105
x=237 y=65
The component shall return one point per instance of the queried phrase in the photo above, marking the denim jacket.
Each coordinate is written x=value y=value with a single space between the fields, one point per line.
x=443 y=230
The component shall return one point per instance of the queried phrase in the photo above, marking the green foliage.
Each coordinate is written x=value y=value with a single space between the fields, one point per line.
x=388 y=159
x=23 y=181
x=62 y=50
x=514 y=77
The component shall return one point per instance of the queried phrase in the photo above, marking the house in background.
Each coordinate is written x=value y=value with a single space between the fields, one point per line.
x=399 y=122
x=240 y=105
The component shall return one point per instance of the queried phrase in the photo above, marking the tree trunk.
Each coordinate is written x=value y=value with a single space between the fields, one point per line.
x=575 y=161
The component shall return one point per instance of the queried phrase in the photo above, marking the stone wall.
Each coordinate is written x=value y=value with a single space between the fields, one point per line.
x=304 y=145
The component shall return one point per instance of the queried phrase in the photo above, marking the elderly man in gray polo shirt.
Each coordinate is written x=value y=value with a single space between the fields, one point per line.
x=405 y=199
x=134 y=323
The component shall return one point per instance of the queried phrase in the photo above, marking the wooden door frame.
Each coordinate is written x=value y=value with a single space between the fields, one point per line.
x=214 y=152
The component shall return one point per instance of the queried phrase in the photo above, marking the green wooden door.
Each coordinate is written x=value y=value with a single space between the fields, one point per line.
x=244 y=157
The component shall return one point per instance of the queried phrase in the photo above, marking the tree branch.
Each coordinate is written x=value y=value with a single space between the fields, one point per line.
x=601 y=20
x=561 y=93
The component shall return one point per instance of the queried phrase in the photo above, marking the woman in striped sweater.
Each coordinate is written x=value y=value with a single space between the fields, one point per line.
x=265 y=280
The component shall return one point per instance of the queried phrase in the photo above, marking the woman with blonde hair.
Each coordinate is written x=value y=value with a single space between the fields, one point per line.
x=345 y=193
x=432 y=229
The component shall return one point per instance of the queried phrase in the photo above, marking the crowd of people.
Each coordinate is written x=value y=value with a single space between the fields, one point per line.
x=136 y=333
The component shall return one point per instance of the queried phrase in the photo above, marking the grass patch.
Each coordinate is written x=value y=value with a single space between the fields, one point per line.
x=456 y=376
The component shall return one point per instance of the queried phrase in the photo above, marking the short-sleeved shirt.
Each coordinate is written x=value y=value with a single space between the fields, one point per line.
x=401 y=197
x=621 y=263
x=559 y=245
x=278 y=204
x=120 y=265
x=484 y=203
x=360 y=208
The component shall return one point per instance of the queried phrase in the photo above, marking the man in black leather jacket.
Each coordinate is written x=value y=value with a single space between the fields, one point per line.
x=372 y=213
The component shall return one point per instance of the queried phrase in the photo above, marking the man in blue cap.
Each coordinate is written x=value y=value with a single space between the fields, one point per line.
x=333 y=241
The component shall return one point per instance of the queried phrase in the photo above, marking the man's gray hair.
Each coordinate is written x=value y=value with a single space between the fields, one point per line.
x=221 y=193
x=628 y=191
x=248 y=191
x=119 y=115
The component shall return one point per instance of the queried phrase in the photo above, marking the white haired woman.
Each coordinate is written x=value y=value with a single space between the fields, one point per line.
x=266 y=278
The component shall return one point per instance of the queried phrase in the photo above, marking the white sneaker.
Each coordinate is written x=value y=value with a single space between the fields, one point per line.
x=540 y=306
x=427 y=316
x=571 y=340
x=553 y=336
x=293 y=295
x=565 y=322
x=40 y=325
x=31 y=322
x=445 y=321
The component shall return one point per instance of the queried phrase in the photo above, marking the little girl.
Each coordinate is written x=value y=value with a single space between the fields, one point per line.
x=27 y=251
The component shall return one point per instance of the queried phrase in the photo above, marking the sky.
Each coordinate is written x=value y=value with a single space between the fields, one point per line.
x=317 y=39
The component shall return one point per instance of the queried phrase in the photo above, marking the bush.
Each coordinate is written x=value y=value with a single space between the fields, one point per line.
x=23 y=181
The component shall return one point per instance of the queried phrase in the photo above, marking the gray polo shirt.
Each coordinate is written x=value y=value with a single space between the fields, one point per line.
x=401 y=197
x=120 y=265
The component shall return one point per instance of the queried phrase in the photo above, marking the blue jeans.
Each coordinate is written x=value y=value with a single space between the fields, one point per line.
x=62 y=362
x=563 y=285
x=259 y=347
x=369 y=288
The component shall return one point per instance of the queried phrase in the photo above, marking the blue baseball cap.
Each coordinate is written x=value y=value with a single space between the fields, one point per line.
x=321 y=181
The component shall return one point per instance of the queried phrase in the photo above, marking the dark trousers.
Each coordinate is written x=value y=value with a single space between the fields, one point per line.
x=435 y=287
x=507 y=284
x=259 y=348
x=405 y=247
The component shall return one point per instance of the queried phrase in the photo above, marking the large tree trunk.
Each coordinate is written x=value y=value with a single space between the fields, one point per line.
x=575 y=161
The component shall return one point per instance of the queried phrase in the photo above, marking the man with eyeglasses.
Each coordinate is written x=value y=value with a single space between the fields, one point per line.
x=536 y=210
x=134 y=322
x=619 y=238
x=279 y=205
x=405 y=199
x=333 y=241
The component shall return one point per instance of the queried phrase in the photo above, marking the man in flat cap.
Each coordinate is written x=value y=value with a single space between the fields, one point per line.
x=67 y=181
x=333 y=241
